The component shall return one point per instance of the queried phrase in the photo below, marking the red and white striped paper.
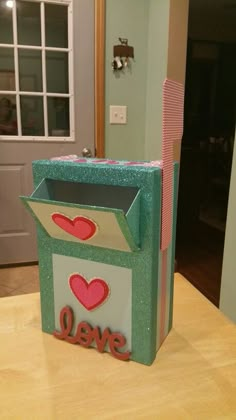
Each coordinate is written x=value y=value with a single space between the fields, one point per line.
x=173 y=110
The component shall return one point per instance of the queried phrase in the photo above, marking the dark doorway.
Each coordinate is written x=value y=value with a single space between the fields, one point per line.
x=207 y=148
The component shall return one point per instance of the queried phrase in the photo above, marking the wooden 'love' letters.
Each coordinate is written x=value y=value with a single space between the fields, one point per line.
x=85 y=335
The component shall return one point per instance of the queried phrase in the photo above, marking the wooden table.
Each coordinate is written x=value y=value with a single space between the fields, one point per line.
x=193 y=377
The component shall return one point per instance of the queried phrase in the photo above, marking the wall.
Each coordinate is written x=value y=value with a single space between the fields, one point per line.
x=157 y=68
x=177 y=45
x=177 y=49
x=228 y=284
x=126 y=19
x=166 y=58
x=158 y=32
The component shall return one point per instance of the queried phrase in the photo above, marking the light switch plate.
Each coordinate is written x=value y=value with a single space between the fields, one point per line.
x=118 y=114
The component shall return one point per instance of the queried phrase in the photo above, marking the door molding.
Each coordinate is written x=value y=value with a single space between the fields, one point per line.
x=100 y=78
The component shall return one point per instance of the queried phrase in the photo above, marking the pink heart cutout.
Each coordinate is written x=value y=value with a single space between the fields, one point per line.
x=81 y=227
x=90 y=295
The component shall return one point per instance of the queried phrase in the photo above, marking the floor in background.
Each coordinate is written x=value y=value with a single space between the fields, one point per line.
x=19 y=280
x=199 y=254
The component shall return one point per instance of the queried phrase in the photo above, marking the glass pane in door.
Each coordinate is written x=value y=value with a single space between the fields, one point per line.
x=30 y=70
x=56 y=25
x=8 y=119
x=32 y=118
x=58 y=117
x=57 y=72
x=29 y=23
x=7 y=69
x=6 y=27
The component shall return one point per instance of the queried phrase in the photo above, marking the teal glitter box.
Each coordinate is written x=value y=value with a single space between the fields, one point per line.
x=104 y=281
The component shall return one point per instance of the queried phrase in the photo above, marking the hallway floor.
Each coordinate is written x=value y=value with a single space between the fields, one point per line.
x=19 y=280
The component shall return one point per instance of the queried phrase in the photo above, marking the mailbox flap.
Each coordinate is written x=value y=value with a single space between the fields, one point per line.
x=106 y=216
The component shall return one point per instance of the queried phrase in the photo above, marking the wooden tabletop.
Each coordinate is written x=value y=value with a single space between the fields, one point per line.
x=193 y=377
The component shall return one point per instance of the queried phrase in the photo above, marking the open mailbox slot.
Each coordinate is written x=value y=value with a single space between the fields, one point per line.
x=101 y=215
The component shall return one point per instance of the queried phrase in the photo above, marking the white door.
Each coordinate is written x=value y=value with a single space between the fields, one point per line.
x=46 y=103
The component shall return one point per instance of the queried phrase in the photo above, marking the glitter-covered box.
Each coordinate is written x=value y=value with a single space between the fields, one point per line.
x=104 y=280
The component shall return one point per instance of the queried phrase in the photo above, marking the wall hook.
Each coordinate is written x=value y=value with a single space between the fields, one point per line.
x=124 y=50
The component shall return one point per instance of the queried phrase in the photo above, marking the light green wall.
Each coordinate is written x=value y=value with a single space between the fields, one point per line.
x=228 y=283
x=127 y=19
x=158 y=31
x=146 y=25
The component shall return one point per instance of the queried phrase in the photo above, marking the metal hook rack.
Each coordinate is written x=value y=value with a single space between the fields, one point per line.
x=123 y=49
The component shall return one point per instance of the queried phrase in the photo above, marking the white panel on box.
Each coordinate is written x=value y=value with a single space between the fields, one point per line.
x=115 y=312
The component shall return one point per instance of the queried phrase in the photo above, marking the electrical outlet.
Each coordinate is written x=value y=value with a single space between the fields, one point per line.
x=118 y=114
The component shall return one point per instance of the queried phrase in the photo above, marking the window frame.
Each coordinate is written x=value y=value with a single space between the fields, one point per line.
x=44 y=94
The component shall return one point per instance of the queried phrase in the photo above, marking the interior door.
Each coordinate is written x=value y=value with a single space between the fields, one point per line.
x=46 y=103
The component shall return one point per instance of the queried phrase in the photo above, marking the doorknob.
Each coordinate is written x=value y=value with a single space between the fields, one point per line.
x=86 y=152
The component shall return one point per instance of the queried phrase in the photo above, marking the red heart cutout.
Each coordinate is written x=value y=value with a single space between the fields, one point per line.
x=90 y=295
x=80 y=227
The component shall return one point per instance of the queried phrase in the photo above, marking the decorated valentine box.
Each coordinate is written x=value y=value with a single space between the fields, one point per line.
x=104 y=280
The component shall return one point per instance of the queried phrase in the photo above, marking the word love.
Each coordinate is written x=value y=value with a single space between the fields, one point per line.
x=86 y=335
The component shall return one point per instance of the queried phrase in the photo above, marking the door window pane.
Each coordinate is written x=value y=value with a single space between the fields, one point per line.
x=6 y=27
x=7 y=69
x=8 y=120
x=58 y=117
x=56 y=26
x=30 y=70
x=32 y=119
x=31 y=77
x=28 y=23
x=57 y=72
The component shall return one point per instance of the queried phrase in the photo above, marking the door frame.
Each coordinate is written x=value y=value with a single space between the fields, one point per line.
x=100 y=11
